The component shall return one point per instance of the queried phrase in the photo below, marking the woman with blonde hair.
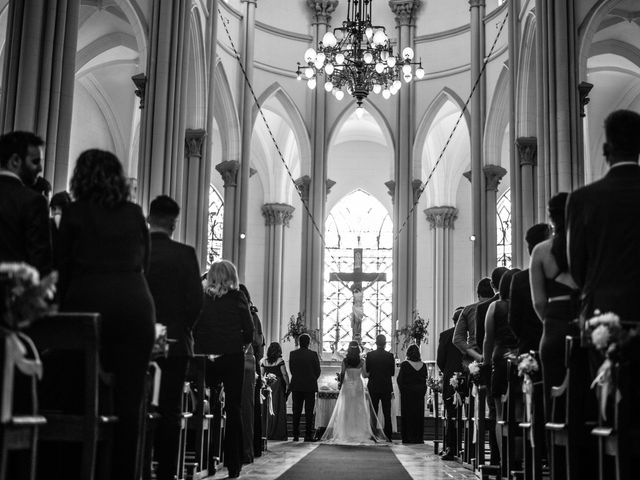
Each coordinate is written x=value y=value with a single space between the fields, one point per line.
x=224 y=331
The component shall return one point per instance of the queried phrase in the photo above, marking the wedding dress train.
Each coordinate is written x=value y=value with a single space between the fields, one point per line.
x=352 y=421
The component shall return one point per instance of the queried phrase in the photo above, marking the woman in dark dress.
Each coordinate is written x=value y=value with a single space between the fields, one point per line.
x=412 y=383
x=225 y=331
x=103 y=249
x=276 y=423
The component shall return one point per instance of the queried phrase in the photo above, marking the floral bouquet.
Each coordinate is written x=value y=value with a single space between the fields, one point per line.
x=456 y=381
x=339 y=380
x=269 y=379
x=435 y=384
x=414 y=333
x=527 y=365
x=605 y=329
x=297 y=327
x=25 y=297
x=474 y=371
x=161 y=344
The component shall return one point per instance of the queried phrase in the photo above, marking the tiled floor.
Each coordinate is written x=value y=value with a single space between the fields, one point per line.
x=418 y=460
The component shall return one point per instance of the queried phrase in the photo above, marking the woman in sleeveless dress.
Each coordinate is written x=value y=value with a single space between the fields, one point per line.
x=353 y=421
x=554 y=295
x=274 y=364
x=412 y=383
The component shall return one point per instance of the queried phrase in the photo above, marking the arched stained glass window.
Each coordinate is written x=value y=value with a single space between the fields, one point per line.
x=214 y=236
x=503 y=223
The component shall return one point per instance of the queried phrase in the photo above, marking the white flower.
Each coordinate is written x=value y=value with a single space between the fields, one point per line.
x=474 y=368
x=608 y=318
x=601 y=336
x=21 y=271
x=527 y=364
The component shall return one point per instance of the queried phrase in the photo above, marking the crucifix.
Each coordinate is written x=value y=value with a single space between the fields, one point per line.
x=357 y=277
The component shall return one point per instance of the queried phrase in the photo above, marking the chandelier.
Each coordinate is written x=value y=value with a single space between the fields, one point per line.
x=358 y=57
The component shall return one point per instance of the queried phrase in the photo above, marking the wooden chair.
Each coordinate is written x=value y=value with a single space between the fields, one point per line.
x=508 y=423
x=78 y=332
x=18 y=430
x=468 y=454
x=533 y=429
x=216 y=451
x=481 y=428
x=200 y=427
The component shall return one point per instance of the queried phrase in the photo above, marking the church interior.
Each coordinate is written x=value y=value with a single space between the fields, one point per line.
x=342 y=209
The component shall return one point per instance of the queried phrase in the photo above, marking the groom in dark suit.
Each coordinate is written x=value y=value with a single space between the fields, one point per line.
x=305 y=370
x=381 y=367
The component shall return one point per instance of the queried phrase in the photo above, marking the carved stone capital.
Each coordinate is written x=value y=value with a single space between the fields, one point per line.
x=140 y=81
x=441 y=217
x=477 y=3
x=322 y=9
x=527 y=150
x=304 y=185
x=329 y=185
x=416 y=185
x=391 y=188
x=277 y=213
x=583 y=90
x=405 y=10
x=493 y=175
x=194 y=141
x=228 y=170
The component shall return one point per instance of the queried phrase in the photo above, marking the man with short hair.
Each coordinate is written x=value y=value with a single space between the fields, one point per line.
x=305 y=371
x=24 y=216
x=464 y=335
x=381 y=368
x=174 y=282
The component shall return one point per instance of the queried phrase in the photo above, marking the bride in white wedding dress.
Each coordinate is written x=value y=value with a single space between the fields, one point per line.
x=353 y=421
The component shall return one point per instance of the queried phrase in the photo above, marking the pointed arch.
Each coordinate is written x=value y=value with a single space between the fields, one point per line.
x=588 y=29
x=497 y=120
x=226 y=115
x=526 y=91
x=138 y=23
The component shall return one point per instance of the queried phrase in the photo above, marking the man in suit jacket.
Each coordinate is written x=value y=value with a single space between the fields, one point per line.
x=522 y=317
x=449 y=360
x=464 y=335
x=305 y=371
x=603 y=231
x=24 y=214
x=174 y=281
x=381 y=367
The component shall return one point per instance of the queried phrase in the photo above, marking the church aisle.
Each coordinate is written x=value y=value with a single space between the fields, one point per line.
x=418 y=460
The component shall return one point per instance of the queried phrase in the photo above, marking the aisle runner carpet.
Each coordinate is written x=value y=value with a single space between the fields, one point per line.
x=338 y=462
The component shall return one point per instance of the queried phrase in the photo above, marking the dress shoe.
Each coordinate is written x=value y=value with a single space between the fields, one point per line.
x=234 y=473
x=448 y=457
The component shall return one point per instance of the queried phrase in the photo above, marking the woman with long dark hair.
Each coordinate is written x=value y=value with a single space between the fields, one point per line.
x=274 y=364
x=103 y=250
x=412 y=383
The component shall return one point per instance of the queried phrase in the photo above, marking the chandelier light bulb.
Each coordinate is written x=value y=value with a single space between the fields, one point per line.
x=339 y=95
x=369 y=33
x=386 y=93
x=377 y=88
x=310 y=55
x=311 y=83
x=379 y=38
x=406 y=69
x=397 y=84
x=391 y=61
x=407 y=53
x=393 y=90
x=329 y=40
x=298 y=75
x=339 y=34
x=384 y=54
x=360 y=112
x=328 y=86
x=408 y=77
x=368 y=58
x=420 y=73
x=321 y=57
x=308 y=72
x=339 y=58
x=318 y=64
x=328 y=68
x=379 y=67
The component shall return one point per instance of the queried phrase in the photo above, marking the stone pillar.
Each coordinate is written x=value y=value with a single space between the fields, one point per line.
x=229 y=172
x=404 y=259
x=478 y=201
x=517 y=251
x=303 y=184
x=277 y=217
x=560 y=153
x=441 y=220
x=162 y=124
x=311 y=292
x=39 y=76
x=193 y=227
x=527 y=149
x=493 y=174
x=246 y=120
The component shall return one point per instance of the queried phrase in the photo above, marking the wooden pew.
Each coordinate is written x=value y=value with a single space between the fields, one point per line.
x=79 y=332
x=18 y=429
x=480 y=427
x=533 y=430
x=508 y=423
x=468 y=453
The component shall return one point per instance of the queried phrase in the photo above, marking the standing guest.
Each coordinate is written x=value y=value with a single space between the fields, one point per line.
x=412 y=383
x=274 y=364
x=24 y=219
x=449 y=360
x=464 y=335
x=174 y=282
x=523 y=320
x=381 y=368
x=224 y=331
x=305 y=371
x=103 y=254
x=56 y=205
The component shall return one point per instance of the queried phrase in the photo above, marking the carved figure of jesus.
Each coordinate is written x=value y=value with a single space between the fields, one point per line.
x=357 y=313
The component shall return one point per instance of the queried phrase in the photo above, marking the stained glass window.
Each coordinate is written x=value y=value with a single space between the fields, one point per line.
x=503 y=223
x=214 y=236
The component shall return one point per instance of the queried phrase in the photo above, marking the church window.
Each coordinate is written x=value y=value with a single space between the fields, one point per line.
x=503 y=223
x=358 y=254
x=215 y=223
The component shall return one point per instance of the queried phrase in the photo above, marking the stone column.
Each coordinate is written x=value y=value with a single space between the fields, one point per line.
x=39 y=76
x=527 y=149
x=303 y=184
x=441 y=220
x=162 y=123
x=229 y=172
x=513 y=46
x=246 y=119
x=493 y=174
x=193 y=226
x=478 y=204
x=404 y=260
x=277 y=217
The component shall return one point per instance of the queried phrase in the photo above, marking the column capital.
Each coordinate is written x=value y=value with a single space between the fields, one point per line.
x=467 y=175
x=194 y=141
x=140 y=81
x=493 y=175
x=303 y=185
x=329 y=185
x=477 y=3
x=228 y=170
x=322 y=9
x=405 y=10
x=277 y=213
x=416 y=185
x=583 y=91
x=255 y=2
x=527 y=150
x=391 y=188
x=441 y=217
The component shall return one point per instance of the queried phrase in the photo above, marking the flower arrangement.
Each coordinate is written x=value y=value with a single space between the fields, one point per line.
x=414 y=333
x=25 y=296
x=527 y=364
x=161 y=344
x=270 y=379
x=297 y=327
x=474 y=371
x=605 y=329
x=456 y=381
x=435 y=384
